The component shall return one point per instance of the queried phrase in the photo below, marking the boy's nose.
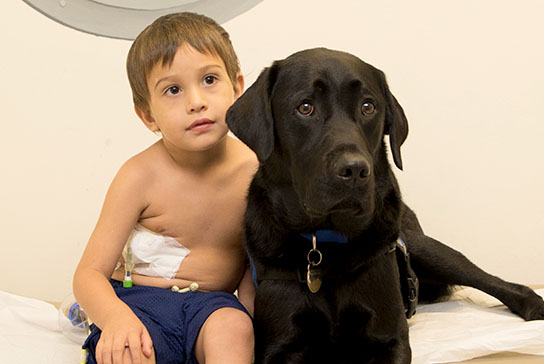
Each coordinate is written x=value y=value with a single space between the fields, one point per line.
x=196 y=101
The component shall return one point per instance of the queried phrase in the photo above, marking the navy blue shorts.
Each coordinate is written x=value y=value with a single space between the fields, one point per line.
x=172 y=319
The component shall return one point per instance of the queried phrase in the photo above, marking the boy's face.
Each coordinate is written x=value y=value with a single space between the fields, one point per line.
x=189 y=99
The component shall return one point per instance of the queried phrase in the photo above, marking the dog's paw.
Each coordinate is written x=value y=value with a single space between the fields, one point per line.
x=534 y=312
x=530 y=306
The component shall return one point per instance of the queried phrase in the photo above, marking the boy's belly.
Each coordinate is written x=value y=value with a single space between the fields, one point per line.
x=212 y=269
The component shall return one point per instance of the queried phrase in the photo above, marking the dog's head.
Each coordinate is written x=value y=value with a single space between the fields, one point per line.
x=317 y=120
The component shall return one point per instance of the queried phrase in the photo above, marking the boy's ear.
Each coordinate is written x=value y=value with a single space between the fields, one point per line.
x=238 y=86
x=147 y=118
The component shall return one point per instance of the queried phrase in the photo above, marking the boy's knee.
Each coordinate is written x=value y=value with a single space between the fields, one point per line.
x=236 y=320
x=226 y=334
x=232 y=320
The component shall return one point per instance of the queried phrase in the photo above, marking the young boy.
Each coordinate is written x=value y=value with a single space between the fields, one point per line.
x=174 y=212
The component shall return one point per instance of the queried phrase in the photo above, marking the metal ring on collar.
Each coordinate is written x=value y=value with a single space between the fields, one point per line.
x=314 y=262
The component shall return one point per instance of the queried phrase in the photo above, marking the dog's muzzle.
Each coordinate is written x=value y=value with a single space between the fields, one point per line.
x=352 y=169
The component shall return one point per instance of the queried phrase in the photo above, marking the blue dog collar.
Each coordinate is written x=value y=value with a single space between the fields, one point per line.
x=327 y=236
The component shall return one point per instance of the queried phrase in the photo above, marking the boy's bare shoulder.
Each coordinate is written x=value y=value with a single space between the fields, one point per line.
x=141 y=166
x=246 y=159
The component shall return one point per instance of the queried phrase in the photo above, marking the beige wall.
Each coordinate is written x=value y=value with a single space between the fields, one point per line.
x=468 y=73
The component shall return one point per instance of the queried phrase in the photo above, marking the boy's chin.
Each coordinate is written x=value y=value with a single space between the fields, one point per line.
x=210 y=141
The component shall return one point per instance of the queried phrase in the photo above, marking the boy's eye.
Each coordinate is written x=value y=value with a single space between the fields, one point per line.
x=209 y=80
x=172 y=90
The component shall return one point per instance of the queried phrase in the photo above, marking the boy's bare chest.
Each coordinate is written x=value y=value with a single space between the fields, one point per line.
x=193 y=213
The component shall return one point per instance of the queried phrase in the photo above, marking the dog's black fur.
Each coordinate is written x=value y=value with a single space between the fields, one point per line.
x=317 y=121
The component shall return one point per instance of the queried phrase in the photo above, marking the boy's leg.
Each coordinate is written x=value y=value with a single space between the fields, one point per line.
x=226 y=337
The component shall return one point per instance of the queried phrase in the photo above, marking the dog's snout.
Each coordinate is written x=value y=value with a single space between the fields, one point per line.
x=352 y=167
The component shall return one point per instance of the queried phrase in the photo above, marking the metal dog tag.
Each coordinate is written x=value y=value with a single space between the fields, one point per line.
x=313 y=276
x=313 y=279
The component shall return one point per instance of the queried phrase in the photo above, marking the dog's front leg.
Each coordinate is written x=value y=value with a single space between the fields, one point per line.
x=436 y=263
x=439 y=267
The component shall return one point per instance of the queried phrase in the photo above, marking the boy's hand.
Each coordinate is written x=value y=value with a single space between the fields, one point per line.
x=124 y=332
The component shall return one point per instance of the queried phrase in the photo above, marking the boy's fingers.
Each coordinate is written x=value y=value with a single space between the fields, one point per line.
x=117 y=350
x=103 y=352
x=98 y=352
x=106 y=357
x=147 y=343
x=135 y=349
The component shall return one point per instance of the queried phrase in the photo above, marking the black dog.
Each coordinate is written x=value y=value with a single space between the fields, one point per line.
x=325 y=215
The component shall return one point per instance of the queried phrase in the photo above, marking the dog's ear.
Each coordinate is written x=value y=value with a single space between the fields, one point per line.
x=250 y=117
x=396 y=124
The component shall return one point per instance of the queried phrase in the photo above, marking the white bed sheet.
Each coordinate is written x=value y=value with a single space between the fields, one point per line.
x=470 y=325
x=30 y=333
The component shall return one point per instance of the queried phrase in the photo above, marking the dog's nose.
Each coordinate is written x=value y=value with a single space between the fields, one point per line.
x=352 y=167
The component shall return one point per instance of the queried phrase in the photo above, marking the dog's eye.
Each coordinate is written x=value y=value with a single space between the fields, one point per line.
x=368 y=108
x=305 y=109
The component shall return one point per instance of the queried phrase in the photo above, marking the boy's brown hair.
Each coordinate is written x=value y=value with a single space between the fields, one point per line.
x=160 y=41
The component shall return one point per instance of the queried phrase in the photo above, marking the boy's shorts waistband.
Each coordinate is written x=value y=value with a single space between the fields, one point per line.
x=191 y=288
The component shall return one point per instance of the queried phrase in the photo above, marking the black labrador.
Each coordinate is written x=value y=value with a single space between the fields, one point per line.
x=325 y=222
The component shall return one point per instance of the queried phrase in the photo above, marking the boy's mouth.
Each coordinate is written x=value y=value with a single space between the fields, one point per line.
x=200 y=124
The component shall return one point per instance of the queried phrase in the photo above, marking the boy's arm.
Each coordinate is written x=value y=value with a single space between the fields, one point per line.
x=246 y=290
x=122 y=207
